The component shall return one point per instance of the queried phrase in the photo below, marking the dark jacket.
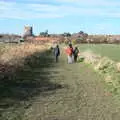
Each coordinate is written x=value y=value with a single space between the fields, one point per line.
x=75 y=52
x=57 y=51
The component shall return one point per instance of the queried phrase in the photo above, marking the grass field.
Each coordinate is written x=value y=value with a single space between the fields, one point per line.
x=110 y=50
x=45 y=90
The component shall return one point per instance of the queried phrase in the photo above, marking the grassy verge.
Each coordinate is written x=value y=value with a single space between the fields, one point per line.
x=106 y=67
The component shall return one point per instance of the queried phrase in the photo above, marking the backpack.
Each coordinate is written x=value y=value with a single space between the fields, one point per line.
x=76 y=51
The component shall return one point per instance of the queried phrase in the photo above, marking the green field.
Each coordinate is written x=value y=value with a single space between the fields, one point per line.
x=109 y=50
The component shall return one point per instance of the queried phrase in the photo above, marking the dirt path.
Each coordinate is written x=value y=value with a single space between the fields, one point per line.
x=81 y=95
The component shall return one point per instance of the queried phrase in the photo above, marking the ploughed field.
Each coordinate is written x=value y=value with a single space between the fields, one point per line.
x=45 y=90
x=109 y=50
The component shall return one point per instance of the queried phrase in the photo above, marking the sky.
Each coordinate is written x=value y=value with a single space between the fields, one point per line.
x=58 y=16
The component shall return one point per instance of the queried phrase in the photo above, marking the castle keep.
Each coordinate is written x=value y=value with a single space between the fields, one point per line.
x=28 y=31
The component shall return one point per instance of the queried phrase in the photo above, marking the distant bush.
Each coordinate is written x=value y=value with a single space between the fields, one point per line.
x=79 y=37
x=44 y=34
x=74 y=42
x=66 y=34
x=80 y=40
x=22 y=40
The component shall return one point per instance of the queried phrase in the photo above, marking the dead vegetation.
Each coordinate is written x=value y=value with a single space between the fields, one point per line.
x=108 y=39
x=22 y=77
x=13 y=58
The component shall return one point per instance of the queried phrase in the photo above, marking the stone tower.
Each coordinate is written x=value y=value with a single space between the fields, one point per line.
x=28 y=31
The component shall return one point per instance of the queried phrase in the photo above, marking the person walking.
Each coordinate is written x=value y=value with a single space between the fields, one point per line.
x=75 y=53
x=56 y=53
x=69 y=52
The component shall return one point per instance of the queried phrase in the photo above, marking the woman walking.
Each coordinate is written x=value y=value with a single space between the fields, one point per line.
x=69 y=52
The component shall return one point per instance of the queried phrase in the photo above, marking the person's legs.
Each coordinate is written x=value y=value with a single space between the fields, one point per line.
x=75 y=58
x=70 y=60
x=56 y=58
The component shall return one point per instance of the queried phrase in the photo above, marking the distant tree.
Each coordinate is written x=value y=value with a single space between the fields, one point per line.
x=44 y=34
x=81 y=32
x=66 y=34
x=85 y=35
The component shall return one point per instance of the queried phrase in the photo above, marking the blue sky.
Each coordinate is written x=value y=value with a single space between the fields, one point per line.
x=58 y=16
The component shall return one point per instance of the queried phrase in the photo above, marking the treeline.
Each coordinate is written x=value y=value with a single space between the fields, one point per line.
x=66 y=37
x=82 y=37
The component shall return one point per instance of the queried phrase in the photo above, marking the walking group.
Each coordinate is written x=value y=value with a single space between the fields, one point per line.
x=72 y=53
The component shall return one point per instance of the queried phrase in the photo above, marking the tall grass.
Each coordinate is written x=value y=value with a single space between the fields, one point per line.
x=13 y=57
x=23 y=77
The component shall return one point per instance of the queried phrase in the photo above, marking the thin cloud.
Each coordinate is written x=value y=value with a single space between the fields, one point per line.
x=14 y=10
x=23 y=11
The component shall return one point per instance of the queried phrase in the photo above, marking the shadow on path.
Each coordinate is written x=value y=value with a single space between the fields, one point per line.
x=29 y=82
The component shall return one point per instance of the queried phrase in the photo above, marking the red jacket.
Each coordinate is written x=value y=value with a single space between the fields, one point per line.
x=69 y=51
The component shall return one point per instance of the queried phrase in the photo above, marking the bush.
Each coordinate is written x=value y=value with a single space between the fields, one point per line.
x=104 y=64
x=81 y=59
x=79 y=40
x=22 y=40
x=74 y=42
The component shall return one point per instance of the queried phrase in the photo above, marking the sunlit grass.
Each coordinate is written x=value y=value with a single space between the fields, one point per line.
x=108 y=50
